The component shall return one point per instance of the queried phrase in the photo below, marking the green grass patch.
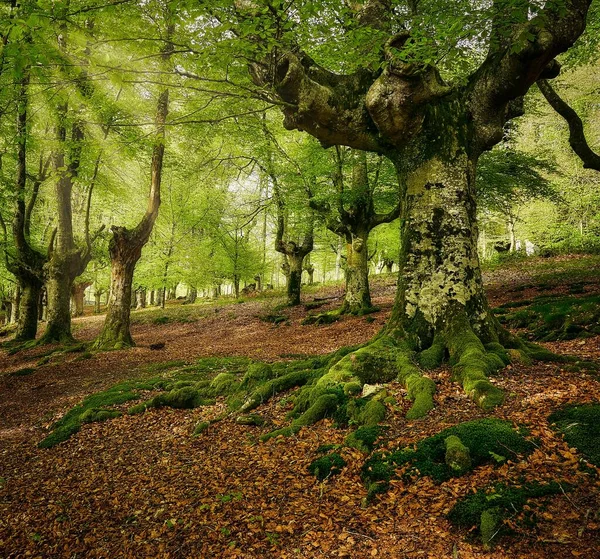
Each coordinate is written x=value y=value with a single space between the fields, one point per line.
x=580 y=426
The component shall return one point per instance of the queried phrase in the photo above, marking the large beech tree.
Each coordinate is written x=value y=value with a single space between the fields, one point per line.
x=397 y=104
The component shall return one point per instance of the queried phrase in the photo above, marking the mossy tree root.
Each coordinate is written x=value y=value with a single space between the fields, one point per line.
x=275 y=386
x=472 y=362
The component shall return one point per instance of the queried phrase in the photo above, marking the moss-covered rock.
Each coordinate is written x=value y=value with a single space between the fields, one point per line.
x=327 y=466
x=372 y=413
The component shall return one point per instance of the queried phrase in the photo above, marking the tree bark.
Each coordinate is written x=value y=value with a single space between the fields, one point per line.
x=294 y=278
x=29 y=311
x=124 y=255
x=140 y=296
x=97 y=300
x=78 y=297
x=358 y=295
x=16 y=302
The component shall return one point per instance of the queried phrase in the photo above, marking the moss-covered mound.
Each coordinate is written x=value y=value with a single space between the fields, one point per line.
x=487 y=440
x=97 y=408
x=555 y=318
x=488 y=508
x=365 y=438
x=327 y=466
x=580 y=426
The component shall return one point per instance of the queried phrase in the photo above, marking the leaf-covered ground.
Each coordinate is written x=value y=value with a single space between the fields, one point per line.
x=142 y=486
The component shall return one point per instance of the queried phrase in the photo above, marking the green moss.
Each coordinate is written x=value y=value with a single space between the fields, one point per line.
x=325 y=405
x=371 y=364
x=487 y=507
x=489 y=525
x=93 y=415
x=364 y=438
x=550 y=318
x=327 y=466
x=256 y=373
x=486 y=439
x=580 y=426
x=321 y=319
x=432 y=357
x=250 y=419
x=279 y=384
x=25 y=371
x=200 y=428
x=353 y=388
x=372 y=413
x=458 y=457
x=224 y=383
x=71 y=422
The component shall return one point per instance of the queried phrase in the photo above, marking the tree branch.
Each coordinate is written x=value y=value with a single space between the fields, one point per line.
x=577 y=139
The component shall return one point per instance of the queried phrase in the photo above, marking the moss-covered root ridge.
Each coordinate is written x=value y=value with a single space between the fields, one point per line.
x=472 y=362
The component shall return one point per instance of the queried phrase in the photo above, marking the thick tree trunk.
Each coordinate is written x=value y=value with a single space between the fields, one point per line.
x=16 y=303
x=58 y=289
x=28 y=312
x=78 y=297
x=97 y=300
x=294 y=279
x=116 y=330
x=358 y=295
x=140 y=297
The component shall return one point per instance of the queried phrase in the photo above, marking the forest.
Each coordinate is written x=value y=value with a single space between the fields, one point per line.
x=300 y=279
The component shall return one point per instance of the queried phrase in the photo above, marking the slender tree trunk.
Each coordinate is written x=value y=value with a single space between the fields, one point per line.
x=358 y=295
x=152 y=297
x=192 y=295
x=140 y=296
x=97 y=303
x=511 y=234
x=78 y=297
x=125 y=247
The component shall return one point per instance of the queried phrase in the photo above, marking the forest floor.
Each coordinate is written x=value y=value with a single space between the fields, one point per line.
x=140 y=486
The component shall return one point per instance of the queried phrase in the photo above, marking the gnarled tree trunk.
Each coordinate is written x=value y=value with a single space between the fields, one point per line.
x=358 y=295
x=125 y=247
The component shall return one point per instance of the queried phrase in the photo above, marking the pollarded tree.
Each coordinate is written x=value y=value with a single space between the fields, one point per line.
x=384 y=93
x=126 y=244
x=353 y=217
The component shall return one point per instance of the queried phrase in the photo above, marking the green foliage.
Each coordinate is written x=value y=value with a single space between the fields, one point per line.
x=580 y=426
x=326 y=466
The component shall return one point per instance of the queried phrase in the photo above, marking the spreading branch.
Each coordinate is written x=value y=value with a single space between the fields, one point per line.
x=577 y=139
